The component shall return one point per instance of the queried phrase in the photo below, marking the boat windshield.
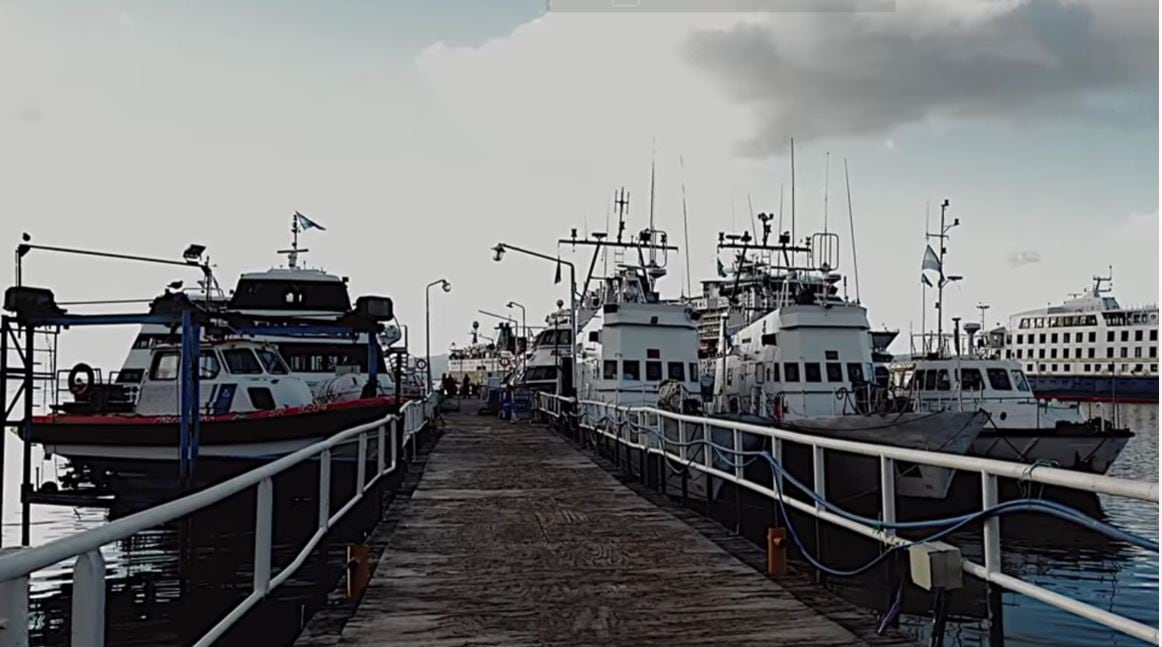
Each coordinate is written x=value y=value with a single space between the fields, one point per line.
x=241 y=361
x=271 y=362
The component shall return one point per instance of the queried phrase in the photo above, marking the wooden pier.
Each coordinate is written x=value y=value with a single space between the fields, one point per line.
x=515 y=537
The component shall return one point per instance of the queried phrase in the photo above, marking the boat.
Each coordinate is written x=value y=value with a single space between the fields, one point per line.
x=300 y=310
x=479 y=361
x=552 y=348
x=1088 y=348
x=1021 y=427
x=809 y=364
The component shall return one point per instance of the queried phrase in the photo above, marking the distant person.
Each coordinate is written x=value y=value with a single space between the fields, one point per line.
x=466 y=387
x=449 y=386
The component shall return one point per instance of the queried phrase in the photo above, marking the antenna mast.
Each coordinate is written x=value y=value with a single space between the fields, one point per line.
x=792 y=190
x=826 y=186
x=851 y=222
x=653 y=252
x=685 y=222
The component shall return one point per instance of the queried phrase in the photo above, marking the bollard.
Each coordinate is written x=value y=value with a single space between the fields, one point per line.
x=358 y=571
x=776 y=552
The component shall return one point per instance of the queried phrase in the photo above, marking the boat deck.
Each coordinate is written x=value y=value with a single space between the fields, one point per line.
x=514 y=537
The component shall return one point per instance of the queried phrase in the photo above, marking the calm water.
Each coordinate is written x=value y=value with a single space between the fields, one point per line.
x=170 y=584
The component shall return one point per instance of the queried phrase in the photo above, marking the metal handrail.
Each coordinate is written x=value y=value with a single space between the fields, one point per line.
x=989 y=469
x=88 y=612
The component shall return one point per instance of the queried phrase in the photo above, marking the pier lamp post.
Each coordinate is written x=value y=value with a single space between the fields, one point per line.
x=524 y=322
x=498 y=255
x=446 y=287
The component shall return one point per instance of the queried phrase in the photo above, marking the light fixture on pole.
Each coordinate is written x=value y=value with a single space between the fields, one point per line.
x=498 y=254
x=446 y=287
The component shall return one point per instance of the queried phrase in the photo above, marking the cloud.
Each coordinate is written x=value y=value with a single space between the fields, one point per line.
x=812 y=75
x=1025 y=257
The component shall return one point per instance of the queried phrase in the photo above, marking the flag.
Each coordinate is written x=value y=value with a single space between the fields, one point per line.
x=557 y=278
x=931 y=260
x=306 y=223
x=721 y=269
x=924 y=279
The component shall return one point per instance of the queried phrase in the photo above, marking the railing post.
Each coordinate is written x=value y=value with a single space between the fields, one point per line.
x=820 y=477
x=992 y=560
x=888 y=492
x=776 y=474
x=88 y=621
x=262 y=536
x=663 y=454
x=737 y=464
x=394 y=444
x=325 y=488
x=13 y=606
x=380 y=456
x=361 y=468
x=708 y=462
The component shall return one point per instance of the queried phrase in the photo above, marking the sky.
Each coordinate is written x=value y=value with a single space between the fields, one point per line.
x=421 y=133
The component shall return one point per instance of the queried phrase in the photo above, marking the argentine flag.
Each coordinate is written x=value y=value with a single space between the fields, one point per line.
x=306 y=223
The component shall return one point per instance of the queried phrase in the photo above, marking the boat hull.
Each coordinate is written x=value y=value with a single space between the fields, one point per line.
x=1082 y=449
x=1122 y=388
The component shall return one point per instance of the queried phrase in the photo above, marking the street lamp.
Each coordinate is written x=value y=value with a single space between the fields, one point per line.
x=447 y=287
x=498 y=254
x=523 y=320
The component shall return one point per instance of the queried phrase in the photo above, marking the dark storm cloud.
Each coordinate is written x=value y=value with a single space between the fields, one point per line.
x=835 y=74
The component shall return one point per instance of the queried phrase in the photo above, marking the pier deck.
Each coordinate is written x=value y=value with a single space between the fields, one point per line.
x=514 y=537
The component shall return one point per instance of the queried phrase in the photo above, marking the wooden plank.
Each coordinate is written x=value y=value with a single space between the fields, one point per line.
x=515 y=538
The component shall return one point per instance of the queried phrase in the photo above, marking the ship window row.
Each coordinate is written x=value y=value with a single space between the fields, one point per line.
x=1058 y=322
x=1090 y=353
x=811 y=372
x=1095 y=368
x=631 y=370
x=1111 y=336
x=238 y=361
x=970 y=379
x=1129 y=318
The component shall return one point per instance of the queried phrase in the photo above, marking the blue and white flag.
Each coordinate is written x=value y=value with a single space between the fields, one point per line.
x=306 y=223
x=931 y=260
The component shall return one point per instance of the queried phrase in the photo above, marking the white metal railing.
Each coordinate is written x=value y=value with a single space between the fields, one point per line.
x=642 y=429
x=88 y=600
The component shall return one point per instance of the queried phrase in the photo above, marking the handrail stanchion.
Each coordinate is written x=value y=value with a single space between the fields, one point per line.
x=777 y=476
x=888 y=491
x=88 y=608
x=991 y=531
x=380 y=455
x=264 y=515
x=361 y=467
x=737 y=464
x=325 y=488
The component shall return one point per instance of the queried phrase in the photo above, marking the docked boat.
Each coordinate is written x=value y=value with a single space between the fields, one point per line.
x=549 y=355
x=485 y=359
x=1088 y=348
x=298 y=309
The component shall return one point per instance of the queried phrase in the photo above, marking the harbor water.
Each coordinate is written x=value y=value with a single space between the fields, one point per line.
x=156 y=597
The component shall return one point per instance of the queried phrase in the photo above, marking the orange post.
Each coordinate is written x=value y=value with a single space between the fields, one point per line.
x=358 y=571
x=777 y=551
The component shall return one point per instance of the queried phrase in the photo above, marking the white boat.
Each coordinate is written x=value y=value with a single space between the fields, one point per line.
x=335 y=366
x=549 y=356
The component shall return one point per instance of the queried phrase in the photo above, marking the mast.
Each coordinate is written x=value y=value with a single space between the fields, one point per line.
x=685 y=223
x=653 y=253
x=941 y=237
x=826 y=186
x=851 y=223
x=792 y=190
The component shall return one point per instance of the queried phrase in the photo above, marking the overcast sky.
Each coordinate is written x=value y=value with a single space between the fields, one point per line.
x=420 y=133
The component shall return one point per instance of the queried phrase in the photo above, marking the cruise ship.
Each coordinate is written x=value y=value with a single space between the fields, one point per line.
x=1088 y=348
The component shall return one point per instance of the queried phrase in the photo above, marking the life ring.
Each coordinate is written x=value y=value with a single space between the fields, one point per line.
x=504 y=362
x=77 y=387
x=421 y=364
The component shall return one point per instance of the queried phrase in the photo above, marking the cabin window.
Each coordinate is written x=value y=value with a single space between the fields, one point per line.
x=1092 y=337
x=631 y=369
x=208 y=366
x=594 y=335
x=1053 y=338
x=1052 y=368
x=260 y=398
x=942 y=381
x=970 y=379
x=609 y=369
x=653 y=371
x=854 y=373
x=999 y=379
x=130 y=376
x=1110 y=336
x=1052 y=353
x=241 y=361
x=770 y=339
x=775 y=372
x=271 y=362
x=791 y=372
x=1065 y=368
x=811 y=372
x=1153 y=335
x=1090 y=352
x=653 y=353
x=1137 y=335
x=675 y=371
x=831 y=354
x=1125 y=335
x=1065 y=353
x=834 y=372
x=929 y=380
x=693 y=371
x=1021 y=338
x=1040 y=353
x=1042 y=338
x=1029 y=367
x=165 y=366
